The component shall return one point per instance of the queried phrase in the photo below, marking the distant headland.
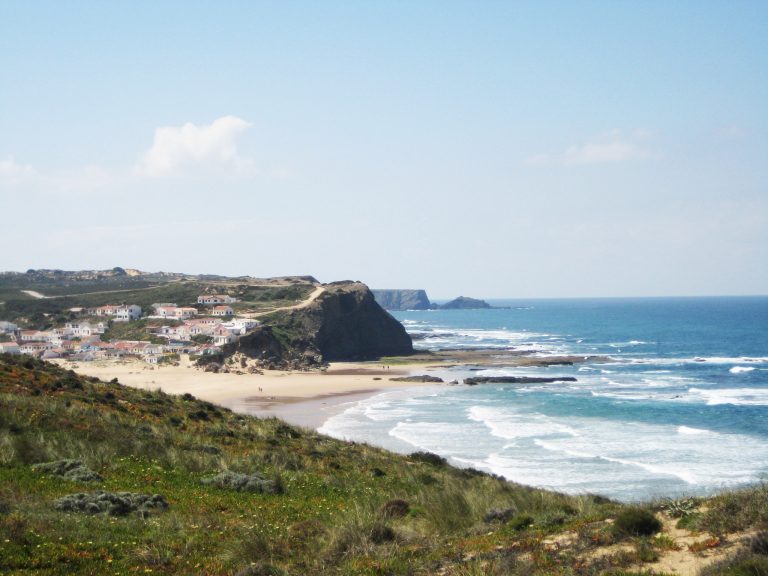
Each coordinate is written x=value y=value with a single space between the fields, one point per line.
x=416 y=299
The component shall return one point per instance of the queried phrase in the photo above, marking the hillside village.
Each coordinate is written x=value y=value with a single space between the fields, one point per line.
x=198 y=329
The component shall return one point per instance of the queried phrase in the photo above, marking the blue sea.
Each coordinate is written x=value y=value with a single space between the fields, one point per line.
x=680 y=408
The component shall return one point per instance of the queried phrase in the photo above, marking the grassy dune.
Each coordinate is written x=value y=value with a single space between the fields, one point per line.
x=312 y=505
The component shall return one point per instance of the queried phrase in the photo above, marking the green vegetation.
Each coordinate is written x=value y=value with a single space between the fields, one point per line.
x=280 y=295
x=734 y=511
x=637 y=522
x=60 y=285
x=65 y=292
x=137 y=330
x=191 y=488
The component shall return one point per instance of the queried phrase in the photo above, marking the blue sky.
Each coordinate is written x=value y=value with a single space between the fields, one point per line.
x=488 y=149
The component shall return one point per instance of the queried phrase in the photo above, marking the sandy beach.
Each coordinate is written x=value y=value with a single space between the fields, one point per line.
x=301 y=398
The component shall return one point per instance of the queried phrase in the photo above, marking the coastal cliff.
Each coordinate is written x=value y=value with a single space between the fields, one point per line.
x=343 y=323
x=402 y=299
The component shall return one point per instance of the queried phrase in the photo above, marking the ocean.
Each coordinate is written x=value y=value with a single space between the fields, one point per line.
x=680 y=408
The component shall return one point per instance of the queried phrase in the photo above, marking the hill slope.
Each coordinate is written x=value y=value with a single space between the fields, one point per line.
x=191 y=488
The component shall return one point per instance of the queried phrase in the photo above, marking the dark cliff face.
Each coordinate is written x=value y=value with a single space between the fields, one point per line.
x=353 y=326
x=343 y=323
x=402 y=299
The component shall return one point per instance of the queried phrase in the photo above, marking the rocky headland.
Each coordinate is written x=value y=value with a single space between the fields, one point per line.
x=402 y=299
x=343 y=323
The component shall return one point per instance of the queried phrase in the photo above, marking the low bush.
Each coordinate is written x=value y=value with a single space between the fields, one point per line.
x=636 y=522
x=759 y=543
x=429 y=458
x=521 y=522
x=499 y=515
x=242 y=482
x=260 y=569
x=742 y=564
x=73 y=470
x=111 y=503
x=396 y=508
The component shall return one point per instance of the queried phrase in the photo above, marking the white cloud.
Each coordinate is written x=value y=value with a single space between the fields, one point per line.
x=77 y=181
x=12 y=171
x=609 y=148
x=177 y=147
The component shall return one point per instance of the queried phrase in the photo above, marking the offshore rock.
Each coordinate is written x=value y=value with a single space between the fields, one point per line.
x=423 y=378
x=465 y=303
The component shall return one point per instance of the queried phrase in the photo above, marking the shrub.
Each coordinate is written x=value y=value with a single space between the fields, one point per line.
x=242 y=482
x=381 y=533
x=636 y=522
x=111 y=503
x=396 y=508
x=645 y=551
x=500 y=515
x=521 y=522
x=742 y=564
x=735 y=511
x=73 y=470
x=429 y=458
x=759 y=543
x=260 y=569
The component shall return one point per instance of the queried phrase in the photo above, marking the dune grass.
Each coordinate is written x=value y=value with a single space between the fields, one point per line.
x=322 y=506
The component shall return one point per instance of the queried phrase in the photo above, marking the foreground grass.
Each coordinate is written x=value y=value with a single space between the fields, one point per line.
x=331 y=507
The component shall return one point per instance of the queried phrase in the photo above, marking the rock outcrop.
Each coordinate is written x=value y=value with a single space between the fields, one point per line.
x=465 y=303
x=423 y=378
x=342 y=323
x=402 y=299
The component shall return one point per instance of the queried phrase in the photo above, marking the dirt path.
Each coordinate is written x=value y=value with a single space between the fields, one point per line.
x=35 y=294
x=38 y=295
x=303 y=304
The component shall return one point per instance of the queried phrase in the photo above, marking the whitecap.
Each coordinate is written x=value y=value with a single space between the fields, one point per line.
x=735 y=396
x=690 y=431
x=741 y=369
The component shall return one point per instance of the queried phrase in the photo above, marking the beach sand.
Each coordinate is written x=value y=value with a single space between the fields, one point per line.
x=301 y=398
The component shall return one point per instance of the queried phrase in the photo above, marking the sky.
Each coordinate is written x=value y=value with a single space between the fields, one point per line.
x=488 y=149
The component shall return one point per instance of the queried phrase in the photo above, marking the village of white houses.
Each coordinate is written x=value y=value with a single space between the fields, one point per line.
x=198 y=328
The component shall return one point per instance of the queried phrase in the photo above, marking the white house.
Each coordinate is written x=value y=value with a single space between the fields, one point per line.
x=215 y=299
x=165 y=311
x=153 y=349
x=121 y=313
x=31 y=335
x=185 y=312
x=222 y=311
x=35 y=347
x=10 y=348
x=203 y=321
x=222 y=336
x=84 y=329
x=175 y=312
x=128 y=313
x=240 y=326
